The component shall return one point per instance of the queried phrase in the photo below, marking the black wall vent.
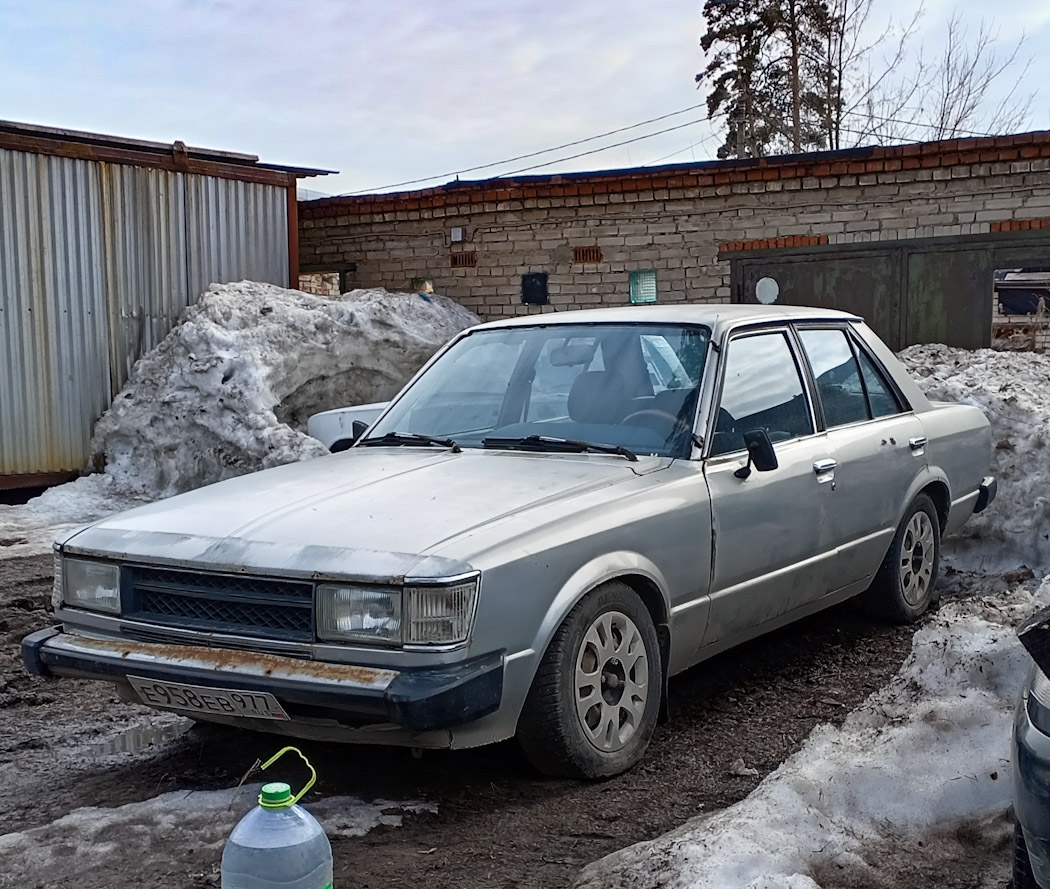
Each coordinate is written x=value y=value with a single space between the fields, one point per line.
x=534 y=289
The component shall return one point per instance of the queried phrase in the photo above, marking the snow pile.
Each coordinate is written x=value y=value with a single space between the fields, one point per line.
x=1013 y=390
x=931 y=747
x=229 y=390
x=212 y=399
x=181 y=832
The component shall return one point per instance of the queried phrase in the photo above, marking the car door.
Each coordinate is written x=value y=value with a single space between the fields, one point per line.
x=878 y=443
x=770 y=543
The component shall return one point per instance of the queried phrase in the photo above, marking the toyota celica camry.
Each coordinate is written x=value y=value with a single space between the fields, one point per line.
x=554 y=516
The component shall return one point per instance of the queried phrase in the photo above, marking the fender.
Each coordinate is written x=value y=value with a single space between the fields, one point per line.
x=594 y=573
x=925 y=477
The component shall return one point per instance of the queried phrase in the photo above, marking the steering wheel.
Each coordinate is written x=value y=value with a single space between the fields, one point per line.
x=674 y=425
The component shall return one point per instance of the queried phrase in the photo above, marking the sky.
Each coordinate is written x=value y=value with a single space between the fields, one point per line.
x=386 y=91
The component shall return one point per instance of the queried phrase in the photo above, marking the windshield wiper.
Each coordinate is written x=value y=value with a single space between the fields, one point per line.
x=547 y=442
x=410 y=438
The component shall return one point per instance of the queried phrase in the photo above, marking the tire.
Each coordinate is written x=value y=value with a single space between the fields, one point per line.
x=607 y=730
x=903 y=588
x=1022 y=866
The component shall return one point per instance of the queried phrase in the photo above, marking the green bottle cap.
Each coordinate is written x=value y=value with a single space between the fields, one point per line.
x=277 y=795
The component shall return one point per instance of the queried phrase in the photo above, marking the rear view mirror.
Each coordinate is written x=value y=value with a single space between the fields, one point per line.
x=760 y=453
x=573 y=355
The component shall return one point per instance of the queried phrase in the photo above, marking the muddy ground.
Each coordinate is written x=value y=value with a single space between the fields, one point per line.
x=497 y=824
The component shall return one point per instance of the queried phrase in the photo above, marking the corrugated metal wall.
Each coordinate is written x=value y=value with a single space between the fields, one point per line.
x=97 y=261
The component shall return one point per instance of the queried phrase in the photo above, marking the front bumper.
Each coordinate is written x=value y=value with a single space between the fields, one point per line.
x=1031 y=784
x=419 y=699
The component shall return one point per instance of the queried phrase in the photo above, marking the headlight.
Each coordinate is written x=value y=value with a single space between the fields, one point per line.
x=359 y=614
x=439 y=615
x=418 y=615
x=90 y=584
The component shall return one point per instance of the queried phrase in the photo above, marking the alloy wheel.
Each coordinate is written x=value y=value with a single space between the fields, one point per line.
x=918 y=548
x=612 y=681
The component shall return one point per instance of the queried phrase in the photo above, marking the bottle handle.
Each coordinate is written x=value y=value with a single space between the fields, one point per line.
x=313 y=774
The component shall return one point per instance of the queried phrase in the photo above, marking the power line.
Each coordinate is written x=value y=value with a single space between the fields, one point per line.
x=605 y=148
x=521 y=157
x=702 y=141
x=910 y=123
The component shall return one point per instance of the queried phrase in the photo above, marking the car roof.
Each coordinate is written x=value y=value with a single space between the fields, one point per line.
x=717 y=316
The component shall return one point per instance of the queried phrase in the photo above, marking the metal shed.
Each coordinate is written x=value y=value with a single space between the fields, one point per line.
x=103 y=242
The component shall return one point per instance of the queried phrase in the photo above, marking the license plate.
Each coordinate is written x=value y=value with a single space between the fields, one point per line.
x=203 y=699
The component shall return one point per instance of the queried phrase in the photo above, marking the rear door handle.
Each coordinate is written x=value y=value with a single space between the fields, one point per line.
x=827 y=465
x=917 y=443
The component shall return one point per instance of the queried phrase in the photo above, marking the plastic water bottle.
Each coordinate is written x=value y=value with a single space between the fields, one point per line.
x=278 y=843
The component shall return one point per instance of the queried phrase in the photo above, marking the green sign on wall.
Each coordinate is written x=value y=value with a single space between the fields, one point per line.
x=643 y=286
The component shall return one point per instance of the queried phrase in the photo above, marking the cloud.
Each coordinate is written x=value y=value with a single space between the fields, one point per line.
x=382 y=91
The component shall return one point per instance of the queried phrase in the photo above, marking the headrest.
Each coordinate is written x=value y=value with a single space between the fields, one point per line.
x=598 y=396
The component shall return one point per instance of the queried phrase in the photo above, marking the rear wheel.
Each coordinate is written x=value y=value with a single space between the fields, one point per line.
x=903 y=586
x=595 y=698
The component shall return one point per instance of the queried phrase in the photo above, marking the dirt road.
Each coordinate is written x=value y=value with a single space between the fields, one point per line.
x=65 y=747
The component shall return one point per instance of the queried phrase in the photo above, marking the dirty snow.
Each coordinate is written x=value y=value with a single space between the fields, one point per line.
x=229 y=391
x=167 y=833
x=1013 y=390
x=931 y=749
x=30 y=529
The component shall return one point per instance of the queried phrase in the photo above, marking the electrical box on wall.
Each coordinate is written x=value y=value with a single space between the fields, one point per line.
x=534 y=289
x=458 y=235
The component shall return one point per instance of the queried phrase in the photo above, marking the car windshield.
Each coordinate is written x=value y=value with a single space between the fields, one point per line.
x=628 y=386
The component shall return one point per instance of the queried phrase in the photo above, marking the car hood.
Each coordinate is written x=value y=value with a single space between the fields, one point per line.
x=377 y=513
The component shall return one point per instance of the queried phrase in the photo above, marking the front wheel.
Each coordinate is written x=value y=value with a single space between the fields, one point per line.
x=1022 y=864
x=595 y=698
x=903 y=586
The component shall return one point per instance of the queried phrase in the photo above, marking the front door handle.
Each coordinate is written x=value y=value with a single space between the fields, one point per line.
x=917 y=443
x=827 y=465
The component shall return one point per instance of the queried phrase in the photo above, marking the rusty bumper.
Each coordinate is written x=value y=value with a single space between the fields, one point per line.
x=419 y=699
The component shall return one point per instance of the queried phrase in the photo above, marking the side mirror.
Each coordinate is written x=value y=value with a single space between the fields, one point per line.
x=357 y=429
x=760 y=453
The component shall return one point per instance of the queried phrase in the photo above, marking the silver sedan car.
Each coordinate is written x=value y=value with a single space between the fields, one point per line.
x=554 y=516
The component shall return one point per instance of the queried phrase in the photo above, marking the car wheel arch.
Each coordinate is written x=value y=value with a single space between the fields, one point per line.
x=934 y=483
x=633 y=569
x=938 y=492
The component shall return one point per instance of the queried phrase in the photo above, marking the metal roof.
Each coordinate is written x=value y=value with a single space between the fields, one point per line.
x=19 y=136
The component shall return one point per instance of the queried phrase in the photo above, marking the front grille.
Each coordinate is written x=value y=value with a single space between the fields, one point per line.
x=236 y=604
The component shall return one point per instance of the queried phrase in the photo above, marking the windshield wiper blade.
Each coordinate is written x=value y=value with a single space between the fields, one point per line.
x=537 y=442
x=410 y=438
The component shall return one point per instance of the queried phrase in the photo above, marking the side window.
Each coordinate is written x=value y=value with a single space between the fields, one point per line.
x=838 y=377
x=761 y=388
x=881 y=397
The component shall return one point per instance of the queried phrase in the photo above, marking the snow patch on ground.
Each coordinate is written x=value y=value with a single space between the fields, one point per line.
x=229 y=391
x=178 y=830
x=30 y=529
x=930 y=748
x=1013 y=390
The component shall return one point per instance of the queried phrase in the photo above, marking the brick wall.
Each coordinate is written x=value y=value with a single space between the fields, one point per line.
x=682 y=221
x=320 y=283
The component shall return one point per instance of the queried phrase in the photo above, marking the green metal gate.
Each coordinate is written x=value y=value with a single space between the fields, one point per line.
x=934 y=290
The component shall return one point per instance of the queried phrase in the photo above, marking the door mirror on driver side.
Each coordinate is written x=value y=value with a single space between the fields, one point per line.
x=760 y=453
